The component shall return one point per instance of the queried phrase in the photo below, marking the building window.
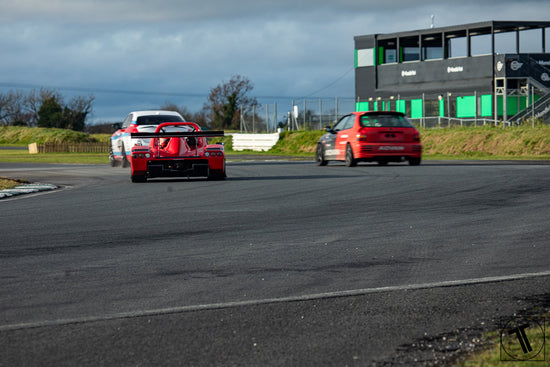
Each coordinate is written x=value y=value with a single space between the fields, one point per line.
x=364 y=57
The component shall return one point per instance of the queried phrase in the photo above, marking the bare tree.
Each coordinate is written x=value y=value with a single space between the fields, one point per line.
x=35 y=99
x=45 y=108
x=76 y=112
x=11 y=109
x=227 y=101
x=52 y=112
x=197 y=117
x=5 y=112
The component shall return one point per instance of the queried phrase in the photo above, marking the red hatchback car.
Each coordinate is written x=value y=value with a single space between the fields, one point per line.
x=375 y=136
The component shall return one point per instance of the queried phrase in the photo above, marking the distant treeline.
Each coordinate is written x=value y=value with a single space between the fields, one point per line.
x=44 y=108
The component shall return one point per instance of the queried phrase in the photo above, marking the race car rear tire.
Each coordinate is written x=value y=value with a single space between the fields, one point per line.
x=139 y=178
x=217 y=175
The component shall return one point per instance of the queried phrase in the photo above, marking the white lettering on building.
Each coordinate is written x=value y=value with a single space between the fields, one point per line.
x=408 y=73
x=455 y=69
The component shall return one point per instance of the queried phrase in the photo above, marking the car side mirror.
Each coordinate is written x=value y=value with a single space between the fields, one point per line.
x=328 y=129
x=117 y=126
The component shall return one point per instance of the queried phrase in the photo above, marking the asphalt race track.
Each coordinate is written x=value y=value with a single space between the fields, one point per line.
x=282 y=264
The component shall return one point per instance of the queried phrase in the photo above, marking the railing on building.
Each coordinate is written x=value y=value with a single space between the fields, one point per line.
x=447 y=122
x=444 y=109
x=447 y=110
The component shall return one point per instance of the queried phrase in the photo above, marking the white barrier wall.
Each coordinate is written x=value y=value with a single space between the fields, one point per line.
x=256 y=142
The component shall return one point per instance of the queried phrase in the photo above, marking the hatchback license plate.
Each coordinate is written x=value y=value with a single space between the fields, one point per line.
x=391 y=148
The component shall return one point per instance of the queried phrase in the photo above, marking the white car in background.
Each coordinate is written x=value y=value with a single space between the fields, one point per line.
x=138 y=121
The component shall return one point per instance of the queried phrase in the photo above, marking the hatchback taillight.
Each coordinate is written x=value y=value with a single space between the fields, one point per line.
x=361 y=137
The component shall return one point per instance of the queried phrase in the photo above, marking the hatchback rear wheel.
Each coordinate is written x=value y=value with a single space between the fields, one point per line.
x=320 y=155
x=414 y=161
x=350 y=160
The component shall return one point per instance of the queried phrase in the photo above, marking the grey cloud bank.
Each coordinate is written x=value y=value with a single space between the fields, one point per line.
x=176 y=51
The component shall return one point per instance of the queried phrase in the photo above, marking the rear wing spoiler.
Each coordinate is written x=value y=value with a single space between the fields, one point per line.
x=178 y=134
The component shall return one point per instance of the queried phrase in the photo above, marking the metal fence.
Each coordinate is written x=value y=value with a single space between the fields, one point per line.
x=435 y=110
x=441 y=121
x=296 y=114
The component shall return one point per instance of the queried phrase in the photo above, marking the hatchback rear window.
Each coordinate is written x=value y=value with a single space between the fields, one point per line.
x=385 y=121
x=157 y=119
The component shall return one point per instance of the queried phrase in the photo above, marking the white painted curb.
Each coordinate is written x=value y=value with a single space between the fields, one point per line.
x=26 y=189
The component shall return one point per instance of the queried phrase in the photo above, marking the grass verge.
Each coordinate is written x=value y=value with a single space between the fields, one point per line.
x=9 y=183
x=23 y=156
x=506 y=350
x=26 y=135
x=460 y=143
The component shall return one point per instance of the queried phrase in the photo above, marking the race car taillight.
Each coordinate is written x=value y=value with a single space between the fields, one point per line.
x=141 y=155
x=213 y=154
x=361 y=137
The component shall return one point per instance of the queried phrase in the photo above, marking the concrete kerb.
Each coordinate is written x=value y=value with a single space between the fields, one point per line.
x=26 y=189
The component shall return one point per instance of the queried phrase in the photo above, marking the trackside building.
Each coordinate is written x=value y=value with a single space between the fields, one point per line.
x=488 y=71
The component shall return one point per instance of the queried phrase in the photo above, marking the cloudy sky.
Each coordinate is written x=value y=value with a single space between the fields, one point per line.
x=137 y=54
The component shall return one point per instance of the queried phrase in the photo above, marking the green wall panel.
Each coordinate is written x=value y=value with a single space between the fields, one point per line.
x=362 y=106
x=401 y=106
x=416 y=108
x=511 y=105
x=486 y=102
x=466 y=106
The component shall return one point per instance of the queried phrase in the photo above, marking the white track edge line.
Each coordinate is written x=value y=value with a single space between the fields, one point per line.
x=309 y=297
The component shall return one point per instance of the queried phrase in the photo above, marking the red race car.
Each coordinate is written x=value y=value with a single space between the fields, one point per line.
x=375 y=136
x=177 y=153
x=137 y=121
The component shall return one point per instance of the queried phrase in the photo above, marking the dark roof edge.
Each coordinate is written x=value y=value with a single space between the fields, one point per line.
x=496 y=26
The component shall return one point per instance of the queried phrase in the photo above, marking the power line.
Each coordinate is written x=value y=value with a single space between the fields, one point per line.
x=152 y=93
x=99 y=90
x=332 y=83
